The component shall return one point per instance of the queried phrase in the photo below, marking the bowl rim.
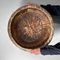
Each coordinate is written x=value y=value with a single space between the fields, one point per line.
x=25 y=7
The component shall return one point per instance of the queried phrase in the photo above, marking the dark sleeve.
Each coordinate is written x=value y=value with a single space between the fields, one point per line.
x=52 y=9
x=51 y=50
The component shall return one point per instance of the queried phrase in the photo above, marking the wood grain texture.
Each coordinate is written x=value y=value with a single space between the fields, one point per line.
x=31 y=27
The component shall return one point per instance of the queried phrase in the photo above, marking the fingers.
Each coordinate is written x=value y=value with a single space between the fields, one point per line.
x=36 y=51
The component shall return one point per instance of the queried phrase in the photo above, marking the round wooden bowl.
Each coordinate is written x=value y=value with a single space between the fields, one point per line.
x=31 y=27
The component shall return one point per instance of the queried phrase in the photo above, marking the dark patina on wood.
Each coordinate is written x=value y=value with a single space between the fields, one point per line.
x=31 y=26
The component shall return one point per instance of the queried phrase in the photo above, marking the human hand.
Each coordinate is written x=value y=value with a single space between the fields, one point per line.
x=35 y=51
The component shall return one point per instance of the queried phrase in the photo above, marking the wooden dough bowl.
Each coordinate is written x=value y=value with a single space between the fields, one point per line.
x=31 y=27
